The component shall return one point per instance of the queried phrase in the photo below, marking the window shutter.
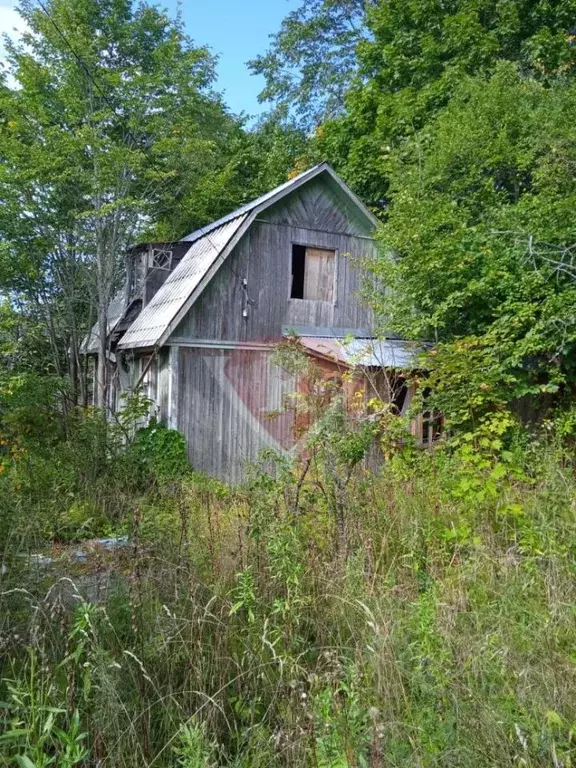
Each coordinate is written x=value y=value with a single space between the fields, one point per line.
x=319 y=274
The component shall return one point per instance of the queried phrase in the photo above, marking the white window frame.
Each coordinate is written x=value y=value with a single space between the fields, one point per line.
x=156 y=256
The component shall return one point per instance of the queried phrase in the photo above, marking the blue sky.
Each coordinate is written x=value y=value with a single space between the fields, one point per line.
x=236 y=30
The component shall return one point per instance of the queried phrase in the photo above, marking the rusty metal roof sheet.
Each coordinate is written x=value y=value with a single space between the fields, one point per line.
x=152 y=323
x=367 y=353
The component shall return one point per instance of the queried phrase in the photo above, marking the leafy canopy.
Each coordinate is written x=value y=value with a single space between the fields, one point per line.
x=368 y=73
x=484 y=242
x=312 y=58
x=112 y=134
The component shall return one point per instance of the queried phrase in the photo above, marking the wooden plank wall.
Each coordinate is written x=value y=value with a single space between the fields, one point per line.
x=264 y=257
x=163 y=390
x=226 y=405
x=319 y=205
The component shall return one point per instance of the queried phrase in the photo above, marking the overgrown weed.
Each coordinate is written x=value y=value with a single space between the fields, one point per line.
x=235 y=632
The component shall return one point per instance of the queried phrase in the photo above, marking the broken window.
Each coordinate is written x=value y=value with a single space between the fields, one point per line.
x=312 y=273
x=431 y=424
x=160 y=258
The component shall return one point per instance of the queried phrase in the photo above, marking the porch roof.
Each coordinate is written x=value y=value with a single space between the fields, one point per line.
x=364 y=352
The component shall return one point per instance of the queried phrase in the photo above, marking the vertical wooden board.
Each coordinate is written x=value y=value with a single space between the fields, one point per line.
x=225 y=400
x=319 y=274
x=264 y=258
x=173 y=384
x=164 y=384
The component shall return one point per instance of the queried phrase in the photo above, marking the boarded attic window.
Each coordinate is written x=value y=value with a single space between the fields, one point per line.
x=312 y=273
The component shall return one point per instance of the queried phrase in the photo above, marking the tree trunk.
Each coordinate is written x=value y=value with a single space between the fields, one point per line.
x=102 y=367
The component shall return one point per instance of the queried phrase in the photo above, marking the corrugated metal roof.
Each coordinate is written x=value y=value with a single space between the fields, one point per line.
x=377 y=353
x=156 y=316
x=116 y=310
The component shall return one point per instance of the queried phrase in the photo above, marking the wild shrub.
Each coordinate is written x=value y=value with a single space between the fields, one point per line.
x=233 y=630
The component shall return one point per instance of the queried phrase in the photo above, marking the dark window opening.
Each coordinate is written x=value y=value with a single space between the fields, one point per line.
x=399 y=393
x=298 y=267
x=313 y=272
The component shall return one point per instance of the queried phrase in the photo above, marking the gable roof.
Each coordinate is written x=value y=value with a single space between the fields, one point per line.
x=209 y=248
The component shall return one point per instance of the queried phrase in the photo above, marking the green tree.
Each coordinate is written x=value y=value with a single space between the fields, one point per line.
x=484 y=242
x=369 y=74
x=312 y=58
x=112 y=134
x=416 y=55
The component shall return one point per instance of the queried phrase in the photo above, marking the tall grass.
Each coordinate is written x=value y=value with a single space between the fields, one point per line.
x=235 y=632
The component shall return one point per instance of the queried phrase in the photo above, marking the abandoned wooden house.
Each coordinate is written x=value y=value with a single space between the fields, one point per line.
x=198 y=320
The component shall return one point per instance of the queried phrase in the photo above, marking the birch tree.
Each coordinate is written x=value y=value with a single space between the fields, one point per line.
x=111 y=133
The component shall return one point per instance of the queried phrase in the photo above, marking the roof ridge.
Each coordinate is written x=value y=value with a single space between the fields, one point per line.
x=247 y=207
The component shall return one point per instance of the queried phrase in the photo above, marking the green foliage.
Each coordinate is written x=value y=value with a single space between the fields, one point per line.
x=160 y=452
x=312 y=58
x=39 y=731
x=229 y=643
x=194 y=749
x=67 y=476
x=27 y=413
x=416 y=55
x=336 y=440
x=480 y=199
x=138 y=57
x=368 y=74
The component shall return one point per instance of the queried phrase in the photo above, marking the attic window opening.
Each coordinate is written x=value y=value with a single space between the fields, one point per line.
x=160 y=259
x=312 y=273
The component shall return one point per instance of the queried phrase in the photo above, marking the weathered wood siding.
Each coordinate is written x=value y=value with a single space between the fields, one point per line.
x=312 y=216
x=320 y=206
x=163 y=392
x=230 y=405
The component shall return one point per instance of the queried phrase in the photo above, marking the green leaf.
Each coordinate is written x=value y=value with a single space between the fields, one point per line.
x=14 y=735
x=24 y=761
